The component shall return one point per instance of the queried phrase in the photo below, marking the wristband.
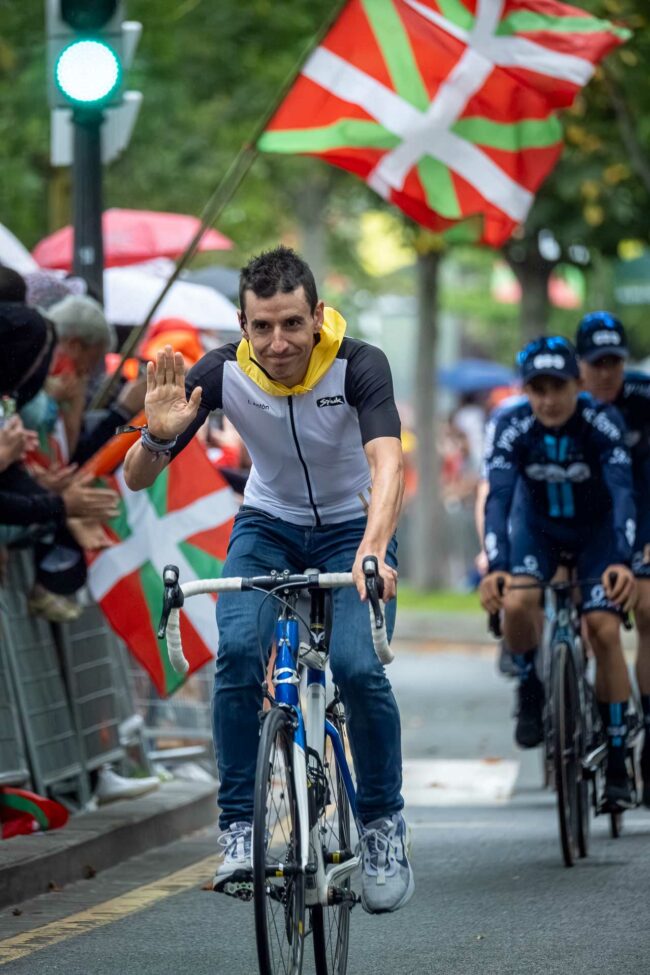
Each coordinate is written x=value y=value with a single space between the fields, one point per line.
x=154 y=445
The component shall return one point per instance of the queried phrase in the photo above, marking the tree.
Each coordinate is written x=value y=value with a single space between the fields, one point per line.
x=600 y=191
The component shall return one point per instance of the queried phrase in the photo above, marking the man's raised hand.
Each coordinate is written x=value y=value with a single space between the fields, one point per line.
x=168 y=410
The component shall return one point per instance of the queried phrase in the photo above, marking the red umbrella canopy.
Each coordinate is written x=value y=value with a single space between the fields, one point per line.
x=132 y=236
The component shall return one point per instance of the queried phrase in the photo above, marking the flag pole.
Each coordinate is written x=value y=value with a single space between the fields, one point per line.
x=216 y=204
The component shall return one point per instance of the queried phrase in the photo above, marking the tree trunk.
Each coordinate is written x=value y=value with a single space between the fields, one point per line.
x=309 y=207
x=532 y=272
x=427 y=535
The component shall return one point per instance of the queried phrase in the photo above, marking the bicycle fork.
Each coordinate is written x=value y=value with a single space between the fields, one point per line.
x=309 y=738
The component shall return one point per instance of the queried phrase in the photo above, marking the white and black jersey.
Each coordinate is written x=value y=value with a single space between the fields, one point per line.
x=309 y=465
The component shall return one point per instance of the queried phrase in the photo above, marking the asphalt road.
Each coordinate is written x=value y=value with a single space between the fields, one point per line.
x=492 y=895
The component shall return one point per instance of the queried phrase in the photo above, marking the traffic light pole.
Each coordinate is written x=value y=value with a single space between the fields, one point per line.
x=88 y=259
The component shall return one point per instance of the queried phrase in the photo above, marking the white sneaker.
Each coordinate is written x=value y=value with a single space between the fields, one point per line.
x=387 y=877
x=234 y=874
x=111 y=786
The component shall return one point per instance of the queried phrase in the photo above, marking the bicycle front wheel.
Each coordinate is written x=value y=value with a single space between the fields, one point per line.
x=278 y=883
x=567 y=752
x=331 y=923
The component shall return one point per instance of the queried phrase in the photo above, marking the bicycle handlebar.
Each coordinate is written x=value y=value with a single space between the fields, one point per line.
x=174 y=597
x=494 y=619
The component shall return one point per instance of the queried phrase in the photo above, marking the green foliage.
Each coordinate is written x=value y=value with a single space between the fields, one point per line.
x=597 y=196
x=210 y=70
x=438 y=601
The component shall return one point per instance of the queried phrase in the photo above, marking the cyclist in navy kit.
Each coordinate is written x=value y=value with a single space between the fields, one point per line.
x=602 y=349
x=567 y=455
x=317 y=414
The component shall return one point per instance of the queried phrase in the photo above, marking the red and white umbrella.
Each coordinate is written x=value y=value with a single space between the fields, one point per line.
x=131 y=237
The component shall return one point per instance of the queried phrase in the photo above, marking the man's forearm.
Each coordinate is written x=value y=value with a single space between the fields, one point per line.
x=141 y=468
x=384 y=509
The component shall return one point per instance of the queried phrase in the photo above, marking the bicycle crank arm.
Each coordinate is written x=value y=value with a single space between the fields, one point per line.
x=595 y=758
x=335 y=875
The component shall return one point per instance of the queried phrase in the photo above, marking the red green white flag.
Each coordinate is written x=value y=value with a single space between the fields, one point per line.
x=24 y=812
x=184 y=518
x=446 y=108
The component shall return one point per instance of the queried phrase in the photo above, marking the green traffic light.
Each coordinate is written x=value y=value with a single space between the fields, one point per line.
x=88 y=72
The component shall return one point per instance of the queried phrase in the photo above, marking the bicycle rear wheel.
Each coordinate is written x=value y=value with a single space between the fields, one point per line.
x=584 y=814
x=279 y=900
x=331 y=924
x=567 y=752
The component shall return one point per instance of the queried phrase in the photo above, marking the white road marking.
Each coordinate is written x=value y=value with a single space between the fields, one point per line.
x=459 y=782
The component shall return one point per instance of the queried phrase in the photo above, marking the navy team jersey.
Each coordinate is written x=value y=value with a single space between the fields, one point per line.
x=570 y=476
x=633 y=402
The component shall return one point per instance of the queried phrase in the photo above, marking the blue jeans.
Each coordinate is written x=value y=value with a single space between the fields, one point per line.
x=258 y=544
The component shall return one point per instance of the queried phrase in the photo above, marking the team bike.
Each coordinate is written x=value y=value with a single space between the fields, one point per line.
x=305 y=828
x=575 y=741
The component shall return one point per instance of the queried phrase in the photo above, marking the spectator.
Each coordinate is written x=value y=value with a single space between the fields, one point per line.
x=469 y=419
x=12 y=285
x=84 y=337
x=459 y=478
x=28 y=342
x=47 y=288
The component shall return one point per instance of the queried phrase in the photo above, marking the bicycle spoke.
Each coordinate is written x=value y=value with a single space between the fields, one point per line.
x=331 y=922
x=279 y=901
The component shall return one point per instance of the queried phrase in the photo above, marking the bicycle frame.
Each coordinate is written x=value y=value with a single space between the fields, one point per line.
x=564 y=630
x=309 y=733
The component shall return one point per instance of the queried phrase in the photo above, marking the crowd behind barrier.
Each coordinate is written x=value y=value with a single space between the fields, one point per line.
x=66 y=700
x=72 y=699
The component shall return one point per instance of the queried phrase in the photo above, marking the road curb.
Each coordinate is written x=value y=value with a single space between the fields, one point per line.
x=91 y=842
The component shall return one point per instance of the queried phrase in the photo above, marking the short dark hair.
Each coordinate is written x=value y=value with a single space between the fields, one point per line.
x=279 y=270
x=13 y=286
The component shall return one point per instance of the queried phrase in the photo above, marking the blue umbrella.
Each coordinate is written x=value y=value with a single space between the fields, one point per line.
x=475 y=375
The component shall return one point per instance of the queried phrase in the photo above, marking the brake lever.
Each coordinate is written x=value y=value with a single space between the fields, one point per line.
x=374 y=587
x=172 y=597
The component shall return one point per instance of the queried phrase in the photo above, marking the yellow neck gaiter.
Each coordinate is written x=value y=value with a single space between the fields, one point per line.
x=322 y=357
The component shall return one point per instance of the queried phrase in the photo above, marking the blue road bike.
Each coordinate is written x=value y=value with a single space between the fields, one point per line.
x=305 y=829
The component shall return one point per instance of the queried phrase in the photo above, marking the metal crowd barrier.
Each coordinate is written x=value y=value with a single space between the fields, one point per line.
x=14 y=768
x=180 y=725
x=65 y=690
x=51 y=739
x=61 y=681
x=88 y=650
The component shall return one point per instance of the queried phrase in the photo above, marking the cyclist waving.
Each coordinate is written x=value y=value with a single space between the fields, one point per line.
x=568 y=457
x=602 y=349
x=316 y=412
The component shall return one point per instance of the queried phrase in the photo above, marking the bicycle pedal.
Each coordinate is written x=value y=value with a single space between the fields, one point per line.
x=617 y=806
x=239 y=889
x=238 y=884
